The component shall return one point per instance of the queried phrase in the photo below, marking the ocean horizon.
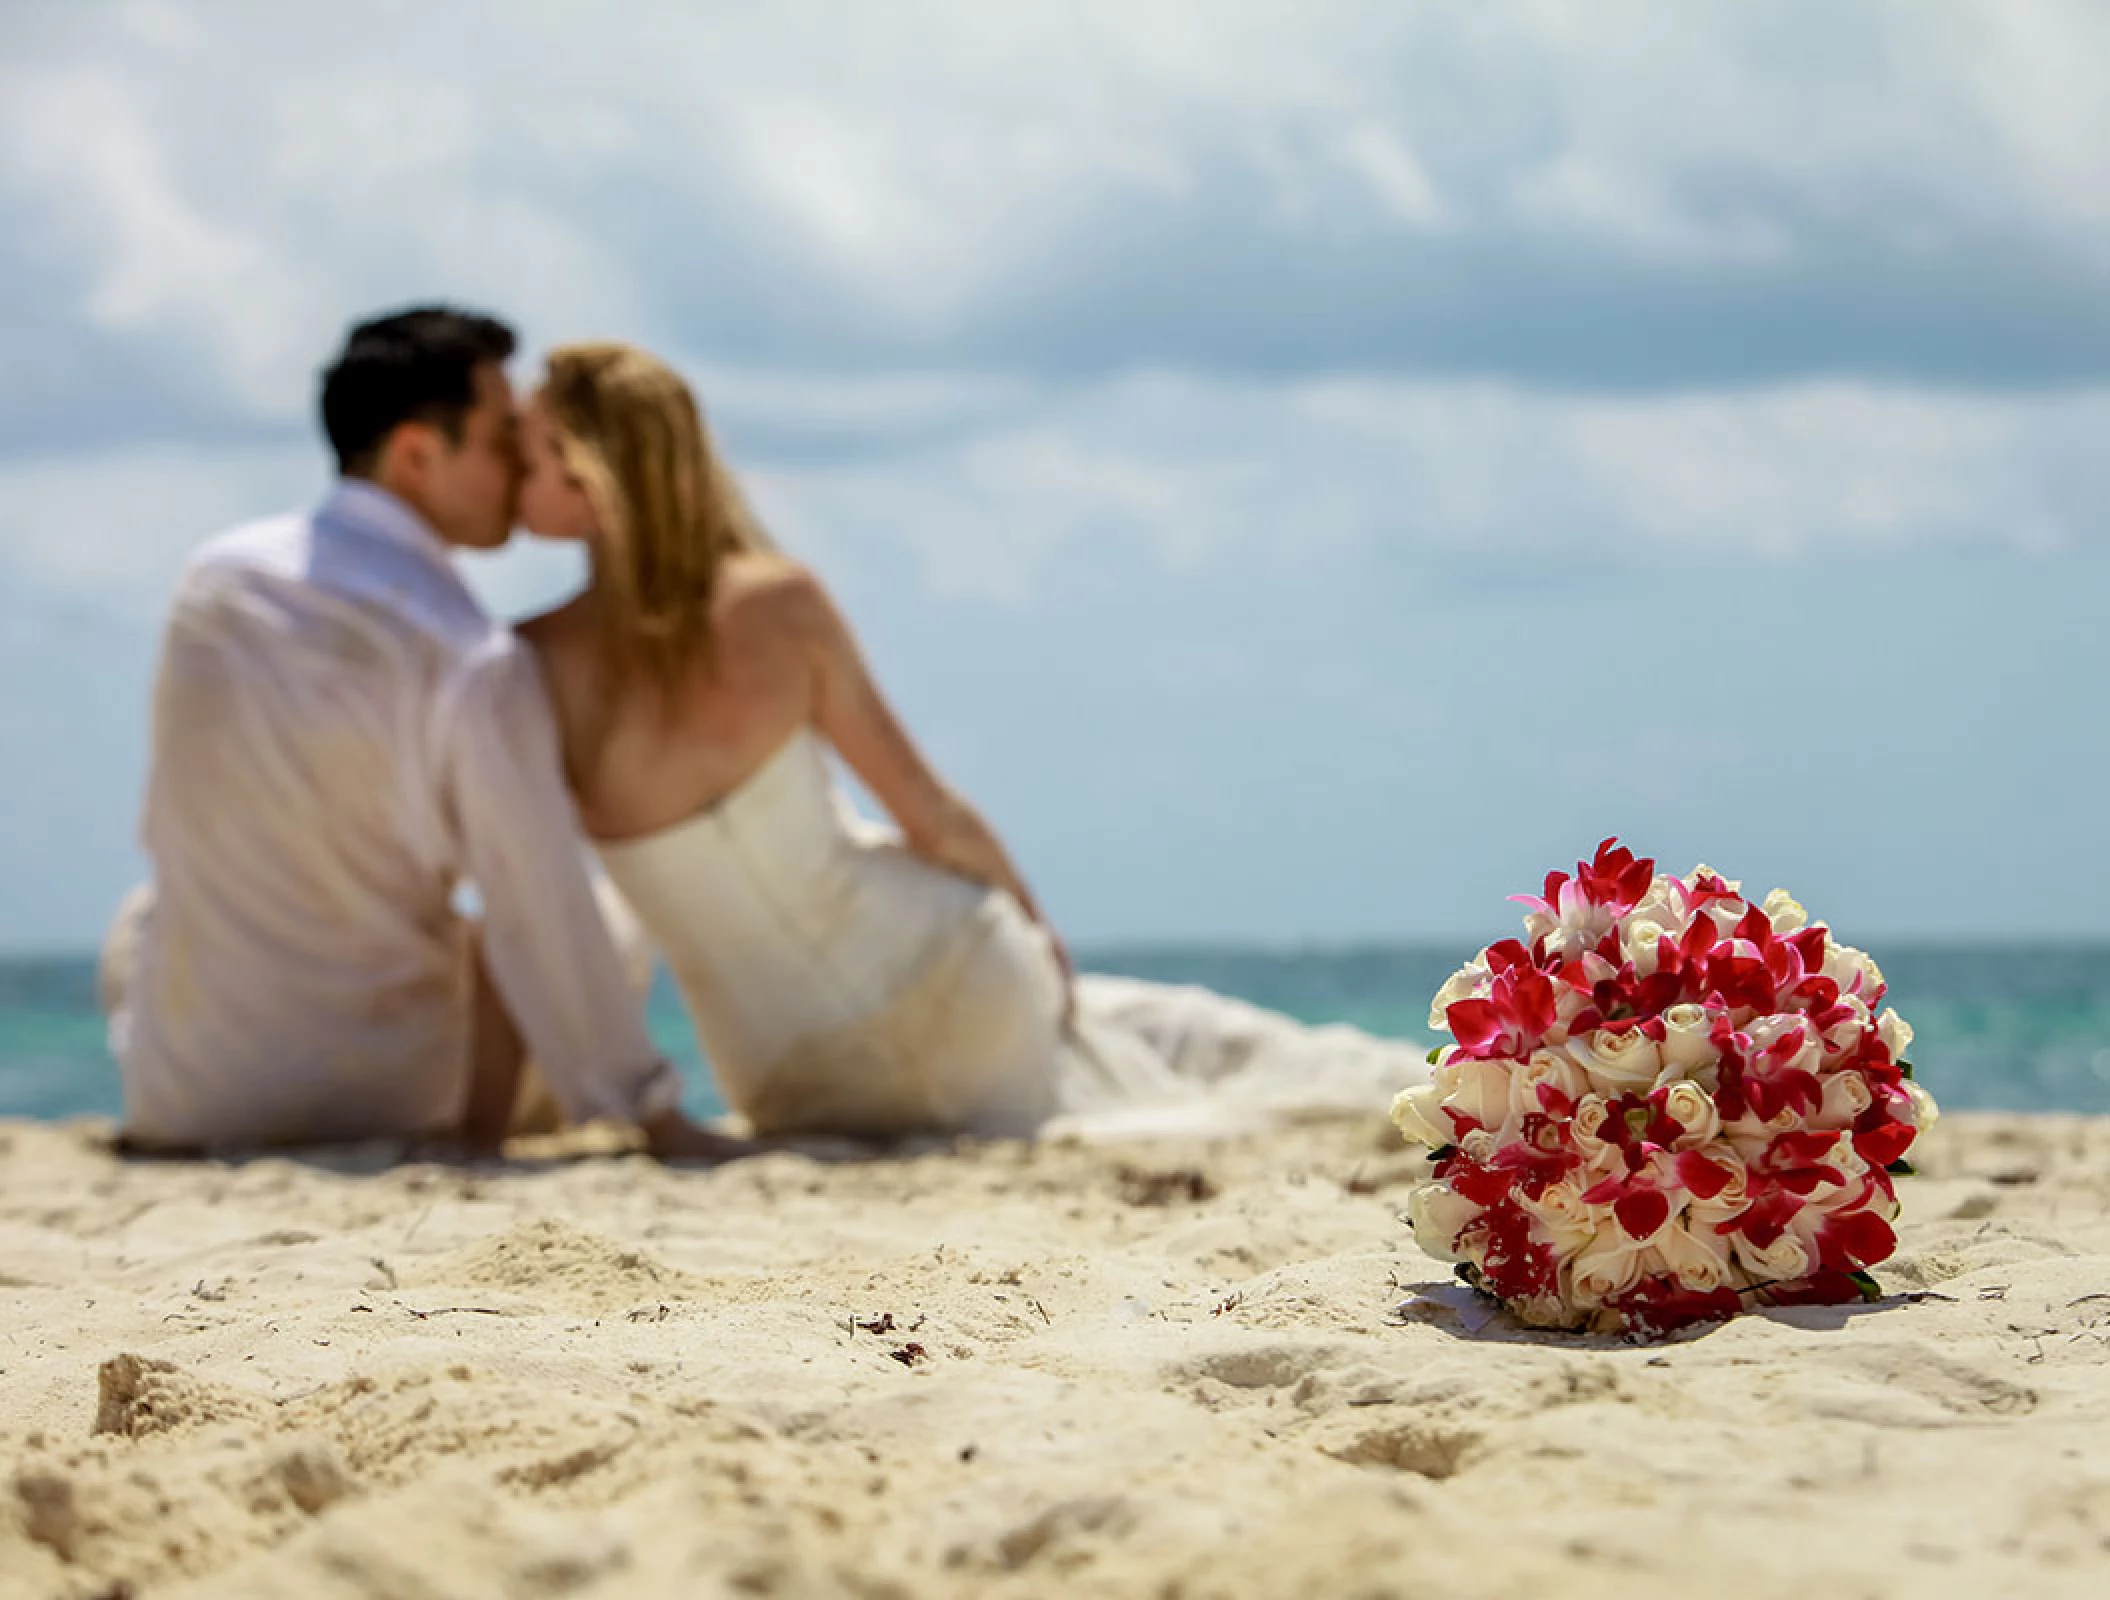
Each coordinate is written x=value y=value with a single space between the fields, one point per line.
x=2006 y=1027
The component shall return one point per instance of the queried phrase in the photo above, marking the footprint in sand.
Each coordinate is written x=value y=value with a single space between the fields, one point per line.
x=1426 y=1447
x=548 y=1261
x=1260 y=1366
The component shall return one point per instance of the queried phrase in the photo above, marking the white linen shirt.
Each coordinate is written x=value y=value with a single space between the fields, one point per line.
x=341 y=736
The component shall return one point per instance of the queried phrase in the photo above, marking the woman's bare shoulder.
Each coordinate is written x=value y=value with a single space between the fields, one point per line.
x=762 y=588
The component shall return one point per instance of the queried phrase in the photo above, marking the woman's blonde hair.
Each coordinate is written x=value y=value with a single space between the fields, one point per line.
x=669 y=511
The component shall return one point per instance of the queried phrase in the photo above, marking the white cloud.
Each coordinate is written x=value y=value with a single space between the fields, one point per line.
x=990 y=488
x=115 y=528
x=159 y=260
x=1205 y=473
x=1041 y=185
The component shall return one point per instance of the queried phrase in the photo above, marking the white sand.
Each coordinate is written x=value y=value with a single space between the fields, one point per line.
x=599 y=1378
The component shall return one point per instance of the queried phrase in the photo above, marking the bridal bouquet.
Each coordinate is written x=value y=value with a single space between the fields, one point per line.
x=1664 y=1103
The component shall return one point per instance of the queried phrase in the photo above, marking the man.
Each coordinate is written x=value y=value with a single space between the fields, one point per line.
x=341 y=736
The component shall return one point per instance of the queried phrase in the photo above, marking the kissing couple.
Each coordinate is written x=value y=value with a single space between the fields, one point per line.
x=344 y=741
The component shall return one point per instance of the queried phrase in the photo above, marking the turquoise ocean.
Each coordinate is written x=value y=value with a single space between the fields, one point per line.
x=2006 y=1027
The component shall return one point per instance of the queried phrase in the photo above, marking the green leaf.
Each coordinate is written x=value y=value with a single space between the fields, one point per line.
x=1870 y=1289
x=1444 y=1153
x=1433 y=1054
x=1905 y=1068
x=1902 y=1168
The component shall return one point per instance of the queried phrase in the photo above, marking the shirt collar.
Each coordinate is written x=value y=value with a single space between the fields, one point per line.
x=370 y=509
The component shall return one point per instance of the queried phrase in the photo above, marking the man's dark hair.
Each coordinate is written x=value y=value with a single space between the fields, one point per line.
x=412 y=366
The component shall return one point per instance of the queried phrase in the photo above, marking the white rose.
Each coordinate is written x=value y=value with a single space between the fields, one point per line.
x=1587 y=1128
x=1577 y=923
x=1554 y=1070
x=1466 y=983
x=1605 y=1162
x=1641 y=944
x=1852 y=970
x=1785 y=913
x=1692 y=879
x=1750 y=1134
x=1846 y=1096
x=1688 y=1040
x=1661 y=912
x=1692 y=1108
x=1700 y=1260
x=1618 y=1063
x=1607 y=1268
x=1665 y=903
x=1895 y=1032
x=1785 y=1259
x=1418 y=1114
x=1480 y=1145
x=1848 y=1163
x=1724 y=914
x=1768 y=1032
x=1843 y=1037
x=1563 y=1220
x=1925 y=1113
x=1476 y=1089
x=1705 y=1217
x=1438 y=1214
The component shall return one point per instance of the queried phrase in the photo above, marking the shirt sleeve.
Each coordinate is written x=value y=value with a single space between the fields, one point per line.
x=545 y=943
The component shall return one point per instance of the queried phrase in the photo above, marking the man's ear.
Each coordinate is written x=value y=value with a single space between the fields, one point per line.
x=407 y=455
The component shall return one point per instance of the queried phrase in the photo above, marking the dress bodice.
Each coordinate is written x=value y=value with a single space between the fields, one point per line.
x=788 y=919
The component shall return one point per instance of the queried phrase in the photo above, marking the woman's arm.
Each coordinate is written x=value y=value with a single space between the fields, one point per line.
x=936 y=823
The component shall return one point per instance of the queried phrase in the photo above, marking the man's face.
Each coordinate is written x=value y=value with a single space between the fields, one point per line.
x=470 y=488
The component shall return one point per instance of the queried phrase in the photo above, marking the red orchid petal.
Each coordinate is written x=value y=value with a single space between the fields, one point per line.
x=1765 y=1219
x=1535 y=1004
x=1484 y=1186
x=1473 y=1023
x=1801 y=1147
x=1641 y=1212
x=1859 y=1239
x=1884 y=1143
x=1704 y=1178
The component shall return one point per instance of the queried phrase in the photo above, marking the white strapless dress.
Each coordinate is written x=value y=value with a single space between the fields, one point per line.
x=840 y=985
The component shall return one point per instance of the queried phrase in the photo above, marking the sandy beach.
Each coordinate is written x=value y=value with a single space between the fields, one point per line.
x=1168 y=1369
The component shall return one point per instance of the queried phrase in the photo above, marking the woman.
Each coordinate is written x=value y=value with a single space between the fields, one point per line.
x=843 y=978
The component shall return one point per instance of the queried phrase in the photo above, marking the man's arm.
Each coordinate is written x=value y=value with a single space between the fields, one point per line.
x=545 y=945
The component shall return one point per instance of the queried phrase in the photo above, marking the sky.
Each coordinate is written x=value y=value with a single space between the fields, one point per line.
x=1304 y=469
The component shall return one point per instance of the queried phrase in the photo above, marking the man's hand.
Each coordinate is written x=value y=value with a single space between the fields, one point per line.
x=670 y=1136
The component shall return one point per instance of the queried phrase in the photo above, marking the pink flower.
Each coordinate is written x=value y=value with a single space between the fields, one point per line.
x=1514 y=1018
x=1614 y=881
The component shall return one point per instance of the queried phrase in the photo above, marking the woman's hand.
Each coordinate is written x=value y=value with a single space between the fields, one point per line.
x=1068 y=969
